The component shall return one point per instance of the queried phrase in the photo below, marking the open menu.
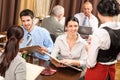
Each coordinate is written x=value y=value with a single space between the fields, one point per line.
x=73 y=67
x=33 y=71
x=30 y=48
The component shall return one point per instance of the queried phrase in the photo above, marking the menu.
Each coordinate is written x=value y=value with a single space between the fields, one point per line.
x=30 y=48
x=33 y=71
x=73 y=67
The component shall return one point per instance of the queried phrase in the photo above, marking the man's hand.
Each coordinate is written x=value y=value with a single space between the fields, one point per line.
x=42 y=49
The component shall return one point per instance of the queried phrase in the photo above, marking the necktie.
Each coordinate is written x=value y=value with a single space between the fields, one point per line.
x=29 y=39
x=84 y=22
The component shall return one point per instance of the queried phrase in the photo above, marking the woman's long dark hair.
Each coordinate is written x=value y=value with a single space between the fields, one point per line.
x=14 y=35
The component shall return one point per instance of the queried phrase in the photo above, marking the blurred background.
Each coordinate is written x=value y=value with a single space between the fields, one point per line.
x=10 y=9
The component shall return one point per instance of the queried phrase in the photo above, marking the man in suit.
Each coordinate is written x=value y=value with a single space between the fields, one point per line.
x=55 y=23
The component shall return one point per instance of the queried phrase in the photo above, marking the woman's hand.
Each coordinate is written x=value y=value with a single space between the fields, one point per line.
x=70 y=62
x=67 y=61
x=57 y=64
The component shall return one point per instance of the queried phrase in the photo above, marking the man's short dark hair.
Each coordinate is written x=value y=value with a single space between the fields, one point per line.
x=27 y=12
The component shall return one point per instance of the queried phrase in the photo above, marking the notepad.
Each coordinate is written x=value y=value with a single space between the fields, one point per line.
x=73 y=67
x=2 y=36
x=33 y=71
x=1 y=78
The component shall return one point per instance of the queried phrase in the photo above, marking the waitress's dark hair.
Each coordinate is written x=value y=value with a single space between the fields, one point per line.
x=14 y=35
x=108 y=7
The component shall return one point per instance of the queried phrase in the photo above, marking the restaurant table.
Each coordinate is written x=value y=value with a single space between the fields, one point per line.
x=61 y=74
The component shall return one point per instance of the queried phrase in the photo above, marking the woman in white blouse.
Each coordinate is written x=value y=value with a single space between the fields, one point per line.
x=69 y=48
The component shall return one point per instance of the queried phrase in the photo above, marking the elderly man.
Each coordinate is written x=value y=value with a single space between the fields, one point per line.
x=86 y=18
x=55 y=23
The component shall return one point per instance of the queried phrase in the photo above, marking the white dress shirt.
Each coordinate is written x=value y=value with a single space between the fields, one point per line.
x=77 y=52
x=92 y=22
x=100 y=40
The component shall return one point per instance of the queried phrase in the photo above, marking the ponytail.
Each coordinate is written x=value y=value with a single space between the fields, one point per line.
x=11 y=48
x=14 y=35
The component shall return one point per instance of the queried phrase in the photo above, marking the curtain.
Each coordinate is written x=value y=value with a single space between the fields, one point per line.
x=94 y=3
x=73 y=6
x=118 y=17
x=8 y=13
x=41 y=8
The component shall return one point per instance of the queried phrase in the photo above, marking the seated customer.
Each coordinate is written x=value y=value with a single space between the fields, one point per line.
x=55 y=23
x=70 y=48
x=86 y=18
x=12 y=65
x=34 y=35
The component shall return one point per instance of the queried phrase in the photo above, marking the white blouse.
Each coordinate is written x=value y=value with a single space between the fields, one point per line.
x=78 y=52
